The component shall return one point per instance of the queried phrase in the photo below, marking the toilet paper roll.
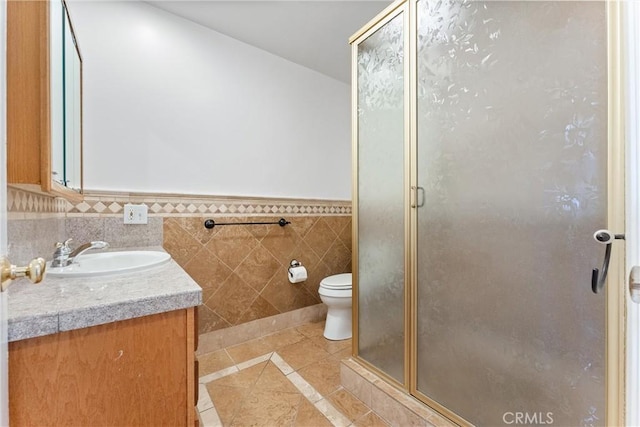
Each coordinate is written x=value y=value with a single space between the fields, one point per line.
x=297 y=274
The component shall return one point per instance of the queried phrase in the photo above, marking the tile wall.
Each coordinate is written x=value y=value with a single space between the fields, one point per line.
x=242 y=269
x=35 y=222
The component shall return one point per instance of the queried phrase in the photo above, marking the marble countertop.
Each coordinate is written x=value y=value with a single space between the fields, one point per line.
x=63 y=304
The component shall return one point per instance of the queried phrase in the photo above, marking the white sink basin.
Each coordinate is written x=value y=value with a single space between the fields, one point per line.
x=106 y=263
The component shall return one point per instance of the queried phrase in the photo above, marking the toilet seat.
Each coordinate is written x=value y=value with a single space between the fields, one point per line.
x=337 y=282
x=336 y=293
x=335 y=287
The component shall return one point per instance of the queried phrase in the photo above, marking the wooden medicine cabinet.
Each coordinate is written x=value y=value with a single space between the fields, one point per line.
x=44 y=99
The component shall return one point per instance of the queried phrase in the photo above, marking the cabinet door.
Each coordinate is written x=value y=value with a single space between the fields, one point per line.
x=27 y=94
x=132 y=372
x=37 y=159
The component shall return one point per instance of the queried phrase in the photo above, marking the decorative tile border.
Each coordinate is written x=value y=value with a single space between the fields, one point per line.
x=24 y=201
x=100 y=203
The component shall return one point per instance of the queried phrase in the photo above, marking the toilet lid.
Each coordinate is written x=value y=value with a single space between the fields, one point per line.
x=338 y=281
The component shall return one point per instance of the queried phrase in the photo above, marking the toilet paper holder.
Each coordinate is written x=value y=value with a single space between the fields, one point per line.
x=297 y=272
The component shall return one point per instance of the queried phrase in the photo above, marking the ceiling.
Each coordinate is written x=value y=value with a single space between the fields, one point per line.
x=313 y=34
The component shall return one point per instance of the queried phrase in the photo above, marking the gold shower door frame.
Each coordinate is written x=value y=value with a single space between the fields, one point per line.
x=615 y=294
x=399 y=7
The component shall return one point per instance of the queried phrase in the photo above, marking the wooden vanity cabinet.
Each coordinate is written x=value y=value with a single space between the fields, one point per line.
x=129 y=373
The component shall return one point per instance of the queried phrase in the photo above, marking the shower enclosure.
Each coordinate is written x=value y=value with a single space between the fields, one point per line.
x=481 y=174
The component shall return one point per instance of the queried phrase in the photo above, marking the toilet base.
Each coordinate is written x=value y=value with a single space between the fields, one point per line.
x=338 y=325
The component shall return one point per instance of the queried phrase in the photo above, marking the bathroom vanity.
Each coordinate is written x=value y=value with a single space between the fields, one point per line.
x=110 y=350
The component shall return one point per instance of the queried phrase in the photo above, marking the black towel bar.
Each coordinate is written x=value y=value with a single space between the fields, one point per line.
x=211 y=223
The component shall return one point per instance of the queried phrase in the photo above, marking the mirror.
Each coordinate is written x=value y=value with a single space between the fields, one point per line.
x=66 y=100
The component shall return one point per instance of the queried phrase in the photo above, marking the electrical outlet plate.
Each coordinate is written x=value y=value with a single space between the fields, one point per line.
x=135 y=214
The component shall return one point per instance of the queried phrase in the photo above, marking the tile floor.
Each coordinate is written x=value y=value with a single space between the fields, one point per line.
x=289 y=378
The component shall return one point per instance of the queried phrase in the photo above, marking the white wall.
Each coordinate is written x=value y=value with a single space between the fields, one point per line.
x=171 y=106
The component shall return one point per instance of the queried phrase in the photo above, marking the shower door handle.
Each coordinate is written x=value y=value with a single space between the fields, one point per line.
x=417 y=191
x=420 y=190
x=606 y=238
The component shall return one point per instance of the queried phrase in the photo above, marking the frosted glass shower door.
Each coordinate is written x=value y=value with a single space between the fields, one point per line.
x=380 y=213
x=512 y=156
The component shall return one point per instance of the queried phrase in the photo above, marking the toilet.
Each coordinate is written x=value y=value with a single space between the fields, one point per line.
x=335 y=292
